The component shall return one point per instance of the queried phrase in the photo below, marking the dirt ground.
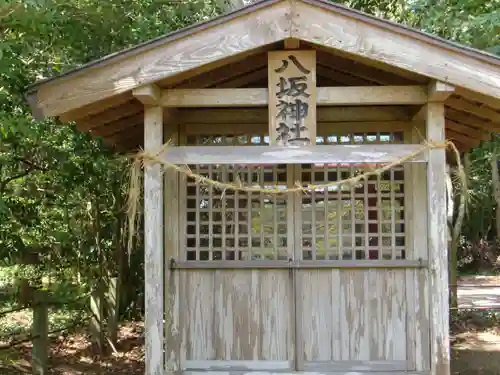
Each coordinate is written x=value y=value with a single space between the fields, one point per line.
x=475 y=337
x=475 y=340
x=73 y=354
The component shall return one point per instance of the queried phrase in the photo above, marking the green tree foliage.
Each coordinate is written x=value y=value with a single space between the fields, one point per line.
x=61 y=192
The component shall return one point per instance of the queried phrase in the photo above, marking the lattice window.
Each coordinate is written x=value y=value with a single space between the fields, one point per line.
x=360 y=138
x=365 y=221
x=229 y=225
x=361 y=222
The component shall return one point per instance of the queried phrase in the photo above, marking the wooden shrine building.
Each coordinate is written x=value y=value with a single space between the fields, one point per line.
x=348 y=279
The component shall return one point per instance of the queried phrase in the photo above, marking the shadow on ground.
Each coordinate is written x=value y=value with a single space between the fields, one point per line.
x=474 y=352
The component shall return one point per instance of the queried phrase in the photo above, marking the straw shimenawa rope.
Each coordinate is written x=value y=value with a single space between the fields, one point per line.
x=145 y=159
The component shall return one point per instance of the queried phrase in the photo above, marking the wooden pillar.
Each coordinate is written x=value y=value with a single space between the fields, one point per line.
x=40 y=330
x=173 y=205
x=437 y=230
x=153 y=232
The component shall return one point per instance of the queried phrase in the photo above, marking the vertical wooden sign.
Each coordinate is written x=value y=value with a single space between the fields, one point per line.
x=292 y=97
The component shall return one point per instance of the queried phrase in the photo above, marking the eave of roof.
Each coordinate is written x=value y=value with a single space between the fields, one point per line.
x=164 y=39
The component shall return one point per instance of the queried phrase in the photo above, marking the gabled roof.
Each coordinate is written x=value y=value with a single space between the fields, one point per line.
x=214 y=43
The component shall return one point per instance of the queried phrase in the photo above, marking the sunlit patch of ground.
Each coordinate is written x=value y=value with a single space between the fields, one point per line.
x=476 y=353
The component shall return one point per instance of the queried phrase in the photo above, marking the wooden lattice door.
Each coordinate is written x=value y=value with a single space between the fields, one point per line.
x=237 y=295
x=296 y=282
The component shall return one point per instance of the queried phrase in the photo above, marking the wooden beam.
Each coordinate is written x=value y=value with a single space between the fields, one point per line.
x=439 y=91
x=184 y=51
x=153 y=245
x=148 y=94
x=338 y=128
x=372 y=95
x=324 y=114
x=437 y=241
x=334 y=154
x=380 y=42
x=258 y=97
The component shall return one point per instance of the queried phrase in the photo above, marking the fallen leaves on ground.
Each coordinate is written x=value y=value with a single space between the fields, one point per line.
x=74 y=354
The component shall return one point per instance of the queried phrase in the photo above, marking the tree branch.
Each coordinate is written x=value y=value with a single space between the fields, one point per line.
x=4 y=183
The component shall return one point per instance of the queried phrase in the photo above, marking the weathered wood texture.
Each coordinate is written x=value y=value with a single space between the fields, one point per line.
x=171 y=226
x=97 y=318
x=259 y=97
x=437 y=245
x=380 y=43
x=324 y=114
x=354 y=297
x=292 y=93
x=329 y=27
x=153 y=245
x=40 y=329
x=354 y=316
x=352 y=319
x=209 y=45
x=234 y=315
x=334 y=154
x=417 y=281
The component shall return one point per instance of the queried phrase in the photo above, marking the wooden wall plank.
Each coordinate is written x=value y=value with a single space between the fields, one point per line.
x=318 y=326
x=199 y=312
x=153 y=245
x=365 y=327
x=248 y=331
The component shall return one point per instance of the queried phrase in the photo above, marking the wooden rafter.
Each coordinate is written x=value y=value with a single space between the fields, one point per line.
x=468 y=131
x=132 y=107
x=225 y=73
x=363 y=71
x=483 y=112
x=469 y=119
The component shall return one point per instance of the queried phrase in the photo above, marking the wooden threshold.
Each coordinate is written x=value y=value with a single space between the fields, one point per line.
x=367 y=154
